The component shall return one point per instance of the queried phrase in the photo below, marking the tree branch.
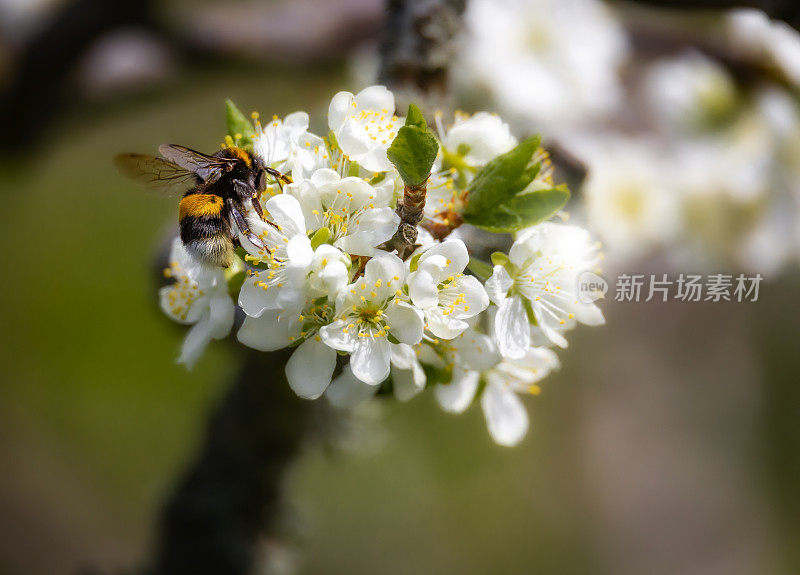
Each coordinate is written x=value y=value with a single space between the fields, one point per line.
x=418 y=47
x=411 y=213
x=229 y=499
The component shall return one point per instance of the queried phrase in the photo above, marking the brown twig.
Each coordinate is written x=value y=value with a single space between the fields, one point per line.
x=411 y=212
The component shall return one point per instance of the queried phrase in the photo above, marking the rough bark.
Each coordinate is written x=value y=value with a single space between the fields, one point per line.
x=229 y=500
x=418 y=46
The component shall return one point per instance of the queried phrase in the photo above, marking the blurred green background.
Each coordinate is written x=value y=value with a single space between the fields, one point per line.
x=668 y=443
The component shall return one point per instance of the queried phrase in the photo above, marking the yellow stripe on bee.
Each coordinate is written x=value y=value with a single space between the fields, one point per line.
x=243 y=155
x=200 y=205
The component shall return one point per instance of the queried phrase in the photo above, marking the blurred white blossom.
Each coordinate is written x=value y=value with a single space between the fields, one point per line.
x=552 y=64
x=752 y=33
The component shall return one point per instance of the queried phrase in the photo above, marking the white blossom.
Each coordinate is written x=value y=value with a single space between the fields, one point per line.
x=366 y=312
x=443 y=292
x=319 y=282
x=289 y=147
x=198 y=297
x=688 y=92
x=752 y=33
x=356 y=214
x=365 y=126
x=478 y=138
x=288 y=256
x=311 y=366
x=505 y=414
x=468 y=145
x=541 y=280
x=408 y=379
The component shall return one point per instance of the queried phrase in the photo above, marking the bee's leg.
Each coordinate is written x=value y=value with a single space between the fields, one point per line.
x=241 y=223
x=280 y=179
x=257 y=205
x=243 y=191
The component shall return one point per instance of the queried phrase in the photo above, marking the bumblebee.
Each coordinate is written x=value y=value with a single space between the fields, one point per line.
x=220 y=188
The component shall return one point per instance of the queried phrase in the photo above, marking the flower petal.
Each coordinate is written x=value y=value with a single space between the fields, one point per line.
x=408 y=382
x=310 y=368
x=265 y=333
x=454 y=252
x=475 y=297
x=195 y=343
x=254 y=298
x=384 y=268
x=220 y=315
x=423 y=290
x=375 y=98
x=285 y=210
x=376 y=225
x=407 y=374
x=325 y=176
x=505 y=415
x=338 y=336
x=339 y=109
x=370 y=359
x=456 y=396
x=405 y=322
x=446 y=327
x=498 y=285
x=348 y=391
x=512 y=329
x=476 y=351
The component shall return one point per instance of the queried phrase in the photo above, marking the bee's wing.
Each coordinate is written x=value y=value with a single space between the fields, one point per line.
x=158 y=174
x=208 y=168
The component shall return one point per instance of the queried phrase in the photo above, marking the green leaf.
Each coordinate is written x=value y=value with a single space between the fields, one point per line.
x=500 y=179
x=239 y=127
x=415 y=118
x=504 y=196
x=480 y=268
x=414 y=149
x=524 y=210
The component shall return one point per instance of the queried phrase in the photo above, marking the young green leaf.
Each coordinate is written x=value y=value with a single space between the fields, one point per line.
x=239 y=127
x=523 y=210
x=504 y=196
x=414 y=149
x=500 y=179
x=415 y=118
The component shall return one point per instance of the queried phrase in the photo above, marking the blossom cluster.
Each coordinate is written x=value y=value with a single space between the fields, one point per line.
x=364 y=317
